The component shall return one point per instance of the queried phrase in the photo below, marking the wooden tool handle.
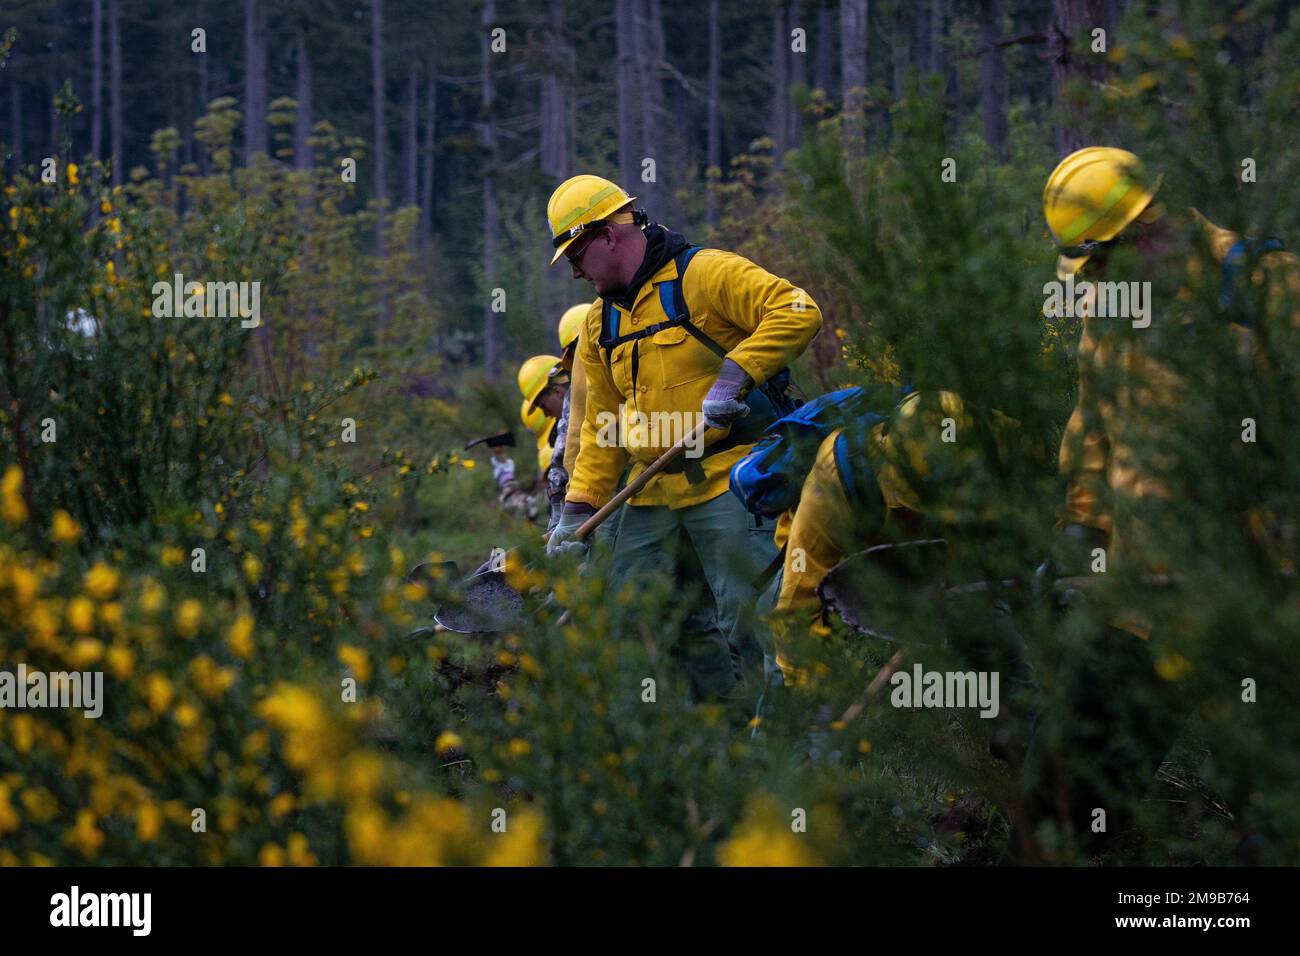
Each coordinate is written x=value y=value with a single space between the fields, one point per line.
x=639 y=482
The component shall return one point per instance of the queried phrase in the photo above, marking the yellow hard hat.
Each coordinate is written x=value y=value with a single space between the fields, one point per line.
x=534 y=375
x=1092 y=196
x=534 y=419
x=537 y=373
x=571 y=324
x=581 y=203
x=545 y=450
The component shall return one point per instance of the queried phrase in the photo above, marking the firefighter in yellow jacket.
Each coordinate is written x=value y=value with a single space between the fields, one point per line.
x=909 y=474
x=1097 y=200
x=679 y=335
x=1120 y=453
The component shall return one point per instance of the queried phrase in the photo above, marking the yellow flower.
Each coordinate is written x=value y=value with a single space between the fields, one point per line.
x=188 y=615
x=65 y=529
x=1173 y=666
x=152 y=596
x=158 y=689
x=172 y=556
x=469 y=463
x=85 y=836
x=9 y=819
x=356 y=660
x=210 y=680
x=148 y=822
x=81 y=614
x=25 y=584
x=521 y=844
x=101 y=581
x=240 y=637
x=121 y=661
x=72 y=173
x=518 y=747
x=270 y=855
x=360 y=506
x=85 y=652
x=187 y=715
x=281 y=805
x=765 y=839
x=252 y=568
x=12 y=505
x=447 y=743
x=299 y=854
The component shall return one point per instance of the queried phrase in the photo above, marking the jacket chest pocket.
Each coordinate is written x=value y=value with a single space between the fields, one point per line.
x=678 y=359
x=620 y=368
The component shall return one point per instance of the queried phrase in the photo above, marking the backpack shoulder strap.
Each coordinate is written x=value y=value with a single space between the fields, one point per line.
x=673 y=301
x=1232 y=261
x=608 y=326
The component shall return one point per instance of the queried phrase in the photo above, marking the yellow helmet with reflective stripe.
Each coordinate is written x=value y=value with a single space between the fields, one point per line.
x=581 y=203
x=534 y=375
x=571 y=324
x=534 y=419
x=1092 y=196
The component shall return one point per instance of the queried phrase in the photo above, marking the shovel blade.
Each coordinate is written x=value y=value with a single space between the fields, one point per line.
x=486 y=604
x=849 y=588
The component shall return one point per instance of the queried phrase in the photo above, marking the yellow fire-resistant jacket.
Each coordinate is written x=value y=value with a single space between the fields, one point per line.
x=762 y=321
x=1100 y=454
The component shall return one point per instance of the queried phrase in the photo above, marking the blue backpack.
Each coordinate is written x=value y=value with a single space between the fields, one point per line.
x=1243 y=251
x=769 y=479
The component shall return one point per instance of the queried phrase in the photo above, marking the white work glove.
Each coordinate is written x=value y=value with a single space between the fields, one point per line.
x=722 y=405
x=572 y=518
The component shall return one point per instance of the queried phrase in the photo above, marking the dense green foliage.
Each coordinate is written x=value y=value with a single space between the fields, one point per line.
x=227 y=690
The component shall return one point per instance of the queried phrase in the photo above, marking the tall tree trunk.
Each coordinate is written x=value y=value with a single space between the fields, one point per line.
x=898 y=48
x=377 y=109
x=555 y=93
x=97 y=78
x=626 y=31
x=715 y=107
x=778 y=123
x=411 y=149
x=15 y=116
x=993 y=79
x=798 y=74
x=115 y=87
x=255 y=137
x=649 y=53
x=204 y=98
x=938 y=19
x=1073 y=20
x=554 y=147
x=853 y=72
x=430 y=121
x=921 y=48
x=52 y=117
x=303 y=119
x=825 y=70
x=491 y=215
